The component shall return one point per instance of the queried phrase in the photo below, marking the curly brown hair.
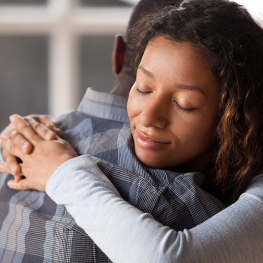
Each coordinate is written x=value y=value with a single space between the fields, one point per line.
x=233 y=43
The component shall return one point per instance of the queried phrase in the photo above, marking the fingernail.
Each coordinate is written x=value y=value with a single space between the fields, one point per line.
x=48 y=136
x=12 y=118
x=1 y=166
x=1 y=140
x=24 y=147
x=11 y=183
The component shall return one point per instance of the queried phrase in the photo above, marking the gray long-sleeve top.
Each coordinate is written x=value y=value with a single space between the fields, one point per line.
x=126 y=234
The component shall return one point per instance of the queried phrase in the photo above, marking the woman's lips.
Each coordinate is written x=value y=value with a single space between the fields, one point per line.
x=149 y=142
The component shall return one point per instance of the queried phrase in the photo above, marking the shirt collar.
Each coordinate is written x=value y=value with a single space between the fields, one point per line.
x=104 y=105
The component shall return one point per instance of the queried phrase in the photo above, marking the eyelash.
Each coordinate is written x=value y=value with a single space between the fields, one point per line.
x=178 y=106
x=183 y=109
x=142 y=92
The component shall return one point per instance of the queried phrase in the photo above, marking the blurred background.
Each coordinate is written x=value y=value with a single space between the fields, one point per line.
x=52 y=50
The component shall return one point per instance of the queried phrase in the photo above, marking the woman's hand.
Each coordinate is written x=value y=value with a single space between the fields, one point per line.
x=41 y=162
x=45 y=131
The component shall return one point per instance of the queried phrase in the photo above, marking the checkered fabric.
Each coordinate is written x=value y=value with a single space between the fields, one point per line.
x=34 y=229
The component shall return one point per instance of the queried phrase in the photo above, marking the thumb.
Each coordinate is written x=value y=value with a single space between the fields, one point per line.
x=19 y=185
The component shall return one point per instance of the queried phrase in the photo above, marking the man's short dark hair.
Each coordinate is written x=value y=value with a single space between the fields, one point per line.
x=141 y=9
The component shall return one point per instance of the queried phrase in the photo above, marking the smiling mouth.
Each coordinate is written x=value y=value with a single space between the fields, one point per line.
x=149 y=142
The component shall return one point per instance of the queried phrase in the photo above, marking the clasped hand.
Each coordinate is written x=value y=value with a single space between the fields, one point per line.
x=40 y=155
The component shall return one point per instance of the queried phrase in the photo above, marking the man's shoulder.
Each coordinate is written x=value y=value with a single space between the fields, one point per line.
x=100 y=105
x=100 y=115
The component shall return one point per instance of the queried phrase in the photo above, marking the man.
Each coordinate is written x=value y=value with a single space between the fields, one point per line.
x=33 y=227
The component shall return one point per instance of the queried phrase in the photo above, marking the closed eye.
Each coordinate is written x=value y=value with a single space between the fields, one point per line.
x=183 y=109
x=143 y=92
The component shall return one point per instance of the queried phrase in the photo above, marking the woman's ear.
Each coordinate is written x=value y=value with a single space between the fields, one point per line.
x=118 y=54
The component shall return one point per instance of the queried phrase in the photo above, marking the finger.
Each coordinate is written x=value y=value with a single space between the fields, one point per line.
x=18 y=178
x=51 y=126
x=19 y=140
x=21 y=185
x=10 y=133
x=25 y=129
x=5 y=153
x=48 y=122
x=58 y=132
x=4 y=168
x=8 y=145
x=7 y=130
x=42 y=130
x=45 y=119
x=12 y=164
x=54 y=127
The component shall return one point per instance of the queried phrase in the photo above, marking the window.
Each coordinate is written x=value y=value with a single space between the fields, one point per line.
x=48 y=48
x=50 y=51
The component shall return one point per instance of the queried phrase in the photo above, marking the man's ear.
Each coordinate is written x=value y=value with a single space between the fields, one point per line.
x=118 y=54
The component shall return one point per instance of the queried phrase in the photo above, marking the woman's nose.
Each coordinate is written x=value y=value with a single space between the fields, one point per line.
x=154 y=114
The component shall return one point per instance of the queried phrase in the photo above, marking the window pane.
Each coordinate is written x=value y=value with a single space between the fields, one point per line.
x=103 y=3
x=95 y=59
x=23 y=76
x=24 y=2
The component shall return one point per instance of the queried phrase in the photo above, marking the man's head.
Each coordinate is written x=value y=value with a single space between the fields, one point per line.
x=124 y=53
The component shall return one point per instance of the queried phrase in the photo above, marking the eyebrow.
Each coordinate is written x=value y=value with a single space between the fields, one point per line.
x=147 y=72
x=177 y=85
x=184 y=87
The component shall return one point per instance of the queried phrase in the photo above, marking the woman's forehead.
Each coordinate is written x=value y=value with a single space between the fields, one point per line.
x=173 y=63
x=193 y=51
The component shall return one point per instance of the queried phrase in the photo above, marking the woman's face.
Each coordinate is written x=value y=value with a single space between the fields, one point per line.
x=173 y=107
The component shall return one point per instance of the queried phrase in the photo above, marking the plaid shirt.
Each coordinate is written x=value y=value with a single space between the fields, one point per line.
x=34 y=229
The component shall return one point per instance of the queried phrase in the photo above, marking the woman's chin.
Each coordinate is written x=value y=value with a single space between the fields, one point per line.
x=153 y=159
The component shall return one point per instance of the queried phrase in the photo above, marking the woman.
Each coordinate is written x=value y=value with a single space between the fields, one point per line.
x=197 y=104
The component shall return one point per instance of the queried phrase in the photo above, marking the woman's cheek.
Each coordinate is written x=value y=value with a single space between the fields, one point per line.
x=131 y=105
x=134 y=106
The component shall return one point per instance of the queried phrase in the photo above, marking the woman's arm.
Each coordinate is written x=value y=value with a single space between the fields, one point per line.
x=126 y=234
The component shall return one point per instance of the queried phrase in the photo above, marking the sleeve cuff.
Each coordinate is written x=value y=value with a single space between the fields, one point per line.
x=66 y=173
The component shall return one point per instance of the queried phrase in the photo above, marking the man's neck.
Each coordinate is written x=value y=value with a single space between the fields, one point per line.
x=123 y=83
